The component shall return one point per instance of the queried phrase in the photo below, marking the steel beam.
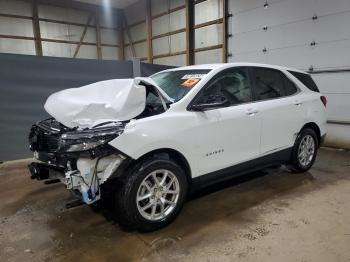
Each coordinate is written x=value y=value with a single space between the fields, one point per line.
x=189 y=32
x=36 y=29
x=149 y=31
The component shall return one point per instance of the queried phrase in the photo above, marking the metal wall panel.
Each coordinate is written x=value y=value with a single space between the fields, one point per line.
x=108 y=37
x=334 y=54
x=177 y=20
x=208 y=36
x=135 y=12
x=108 y=19
x=137 y=32
x=27 y=81
x=338 y=136
x=292 y=57
x=323 y=7
x=246 y=6
x=336 y=87
x=127 y=53
x=110 y=53
x=278 y=13
x=178 y=42
x=140 y=49
x=54 y=31
x=67 y=50
x=172 y=44
x=165 y=24
x=160 y=25
x=208 y=57
x=15 y=46
x=15 y=7
x=179 y=60
x=63 y=14
x=161 y=46
x=57 y=49
x=85 y=51
x=176 y=3
x=251 y=57
x=290 y=32
x=70 y=32
x=207 y=11
x=159 y=6
x=15 y=26
x=75 y=32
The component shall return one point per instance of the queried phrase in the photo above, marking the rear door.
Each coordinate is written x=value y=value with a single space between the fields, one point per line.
x=281 y=107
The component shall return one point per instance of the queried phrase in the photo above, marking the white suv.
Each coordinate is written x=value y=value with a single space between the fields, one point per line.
x=148 y=142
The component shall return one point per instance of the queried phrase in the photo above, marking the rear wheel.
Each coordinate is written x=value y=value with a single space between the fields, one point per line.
x=304 y=151
x=151 y=195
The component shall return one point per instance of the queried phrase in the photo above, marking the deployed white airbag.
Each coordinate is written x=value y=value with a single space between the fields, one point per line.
x=111 y=100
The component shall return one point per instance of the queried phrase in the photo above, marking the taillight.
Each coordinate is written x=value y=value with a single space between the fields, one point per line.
x=324 y=100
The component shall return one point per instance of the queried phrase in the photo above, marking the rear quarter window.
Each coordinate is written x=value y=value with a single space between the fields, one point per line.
x=306 y=80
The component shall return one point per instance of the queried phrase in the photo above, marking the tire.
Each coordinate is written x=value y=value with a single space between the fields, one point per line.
x=301 y=161
x=140 y=198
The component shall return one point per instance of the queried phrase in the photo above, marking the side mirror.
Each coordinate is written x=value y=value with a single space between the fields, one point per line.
x=217 y=102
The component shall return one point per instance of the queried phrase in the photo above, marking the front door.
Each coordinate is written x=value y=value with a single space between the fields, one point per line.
x=230 y=134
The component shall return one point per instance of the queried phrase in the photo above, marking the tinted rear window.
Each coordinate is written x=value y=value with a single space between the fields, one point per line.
x=306 y=80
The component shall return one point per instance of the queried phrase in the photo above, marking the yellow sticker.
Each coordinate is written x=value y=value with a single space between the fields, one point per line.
x=190 y=82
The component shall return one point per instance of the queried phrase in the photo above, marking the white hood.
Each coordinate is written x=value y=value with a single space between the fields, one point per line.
x=110 y=100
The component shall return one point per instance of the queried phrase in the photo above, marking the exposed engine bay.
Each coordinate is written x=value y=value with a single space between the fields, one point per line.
x=77 y=152
x=81 y=159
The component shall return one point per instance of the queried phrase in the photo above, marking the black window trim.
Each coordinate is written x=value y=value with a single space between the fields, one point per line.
x=251 y=73
x=249 y=70
x=292 y=72
x=246 y=69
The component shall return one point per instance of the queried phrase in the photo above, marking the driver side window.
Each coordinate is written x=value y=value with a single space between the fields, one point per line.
x=232 y=85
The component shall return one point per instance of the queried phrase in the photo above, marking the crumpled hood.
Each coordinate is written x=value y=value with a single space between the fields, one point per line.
x=110 y=100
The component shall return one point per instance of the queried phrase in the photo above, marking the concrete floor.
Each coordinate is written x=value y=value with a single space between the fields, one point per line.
x=267 y=216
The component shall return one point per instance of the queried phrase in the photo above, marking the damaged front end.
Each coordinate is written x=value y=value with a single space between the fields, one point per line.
x=82 y=159
x=73 y=146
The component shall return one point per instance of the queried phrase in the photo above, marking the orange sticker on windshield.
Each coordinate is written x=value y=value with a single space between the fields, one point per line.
x=190 y=82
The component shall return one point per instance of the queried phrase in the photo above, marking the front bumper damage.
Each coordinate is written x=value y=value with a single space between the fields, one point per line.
x=82 y=172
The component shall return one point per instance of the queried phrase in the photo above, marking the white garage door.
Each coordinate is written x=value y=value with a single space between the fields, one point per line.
x=304 y=34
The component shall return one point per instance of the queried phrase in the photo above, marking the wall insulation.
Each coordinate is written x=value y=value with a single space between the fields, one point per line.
x=169 y=31
x=67 y=31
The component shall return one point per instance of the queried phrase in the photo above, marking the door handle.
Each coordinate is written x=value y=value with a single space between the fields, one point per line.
x=251 y=111
x=297 y=103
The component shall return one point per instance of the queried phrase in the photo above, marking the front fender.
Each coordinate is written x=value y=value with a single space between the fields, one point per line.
x=139 y=140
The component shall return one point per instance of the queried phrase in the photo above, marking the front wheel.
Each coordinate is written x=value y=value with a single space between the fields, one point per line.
x=152 y=194
x=304 y=151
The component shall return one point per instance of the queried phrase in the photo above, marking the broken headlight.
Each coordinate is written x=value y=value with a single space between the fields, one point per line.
x=87 y=139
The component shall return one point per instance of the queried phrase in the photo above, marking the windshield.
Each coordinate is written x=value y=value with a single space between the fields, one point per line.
x=178 y=83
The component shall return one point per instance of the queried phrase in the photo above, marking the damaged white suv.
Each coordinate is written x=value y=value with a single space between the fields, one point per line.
x=150 y=141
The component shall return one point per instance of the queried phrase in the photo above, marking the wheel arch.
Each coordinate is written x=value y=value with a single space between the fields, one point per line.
x=314 y=127
x=168 y=153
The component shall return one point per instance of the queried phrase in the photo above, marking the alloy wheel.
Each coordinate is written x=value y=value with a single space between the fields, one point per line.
x=158 y=194
x=306 y=150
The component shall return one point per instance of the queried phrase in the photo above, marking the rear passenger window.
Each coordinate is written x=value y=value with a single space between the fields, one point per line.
x=306 y=80
x=268 y=83
x=289 y=86
x=271 y=83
